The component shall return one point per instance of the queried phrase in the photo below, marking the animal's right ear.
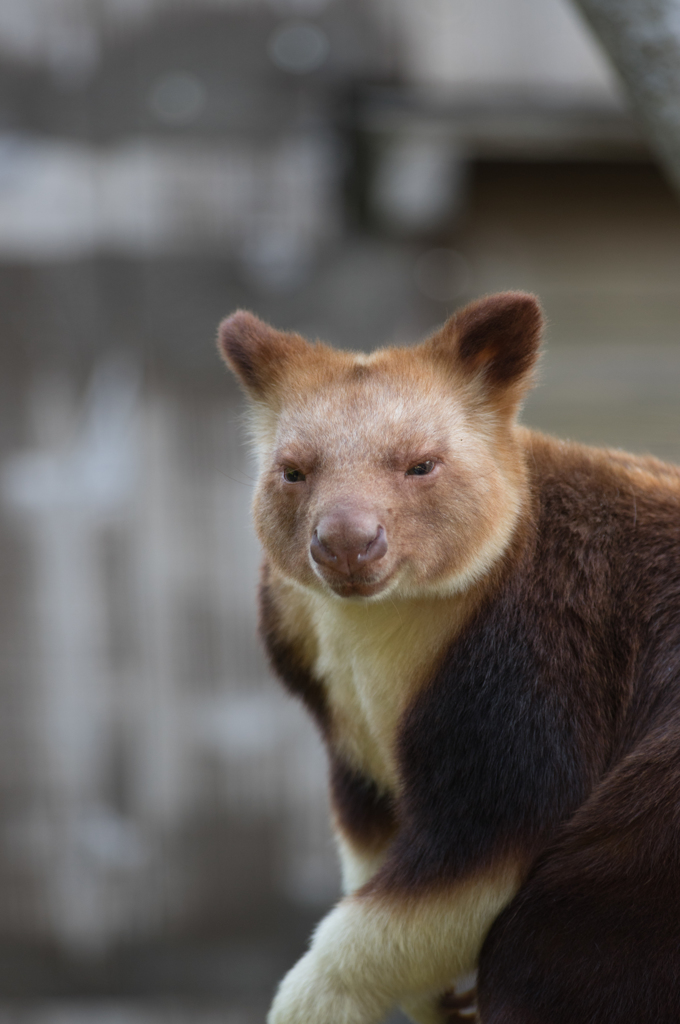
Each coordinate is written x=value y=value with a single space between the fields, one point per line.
x=494 y=341
x=258 y=354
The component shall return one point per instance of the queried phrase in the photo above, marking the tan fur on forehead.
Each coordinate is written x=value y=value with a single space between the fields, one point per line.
x=378 y=414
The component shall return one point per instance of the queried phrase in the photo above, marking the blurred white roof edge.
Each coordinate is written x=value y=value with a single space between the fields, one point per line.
x=470 y=44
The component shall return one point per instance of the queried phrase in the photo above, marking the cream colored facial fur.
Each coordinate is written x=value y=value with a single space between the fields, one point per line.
x=354 y=437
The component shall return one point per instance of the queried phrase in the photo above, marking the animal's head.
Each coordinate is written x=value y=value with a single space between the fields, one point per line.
x=394 y=472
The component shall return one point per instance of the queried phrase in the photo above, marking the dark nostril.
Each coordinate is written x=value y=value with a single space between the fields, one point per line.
x=375 y=549
x=321 y=553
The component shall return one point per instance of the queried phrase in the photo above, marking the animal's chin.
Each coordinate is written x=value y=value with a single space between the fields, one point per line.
x=345 y=586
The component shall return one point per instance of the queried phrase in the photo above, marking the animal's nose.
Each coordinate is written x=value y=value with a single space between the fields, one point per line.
x=346 y=541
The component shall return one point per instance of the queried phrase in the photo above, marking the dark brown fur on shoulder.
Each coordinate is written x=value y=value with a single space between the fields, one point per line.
x=485 y=625
x=594 y=934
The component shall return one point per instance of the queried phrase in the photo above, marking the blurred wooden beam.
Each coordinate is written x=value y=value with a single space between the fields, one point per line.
x=642 y=39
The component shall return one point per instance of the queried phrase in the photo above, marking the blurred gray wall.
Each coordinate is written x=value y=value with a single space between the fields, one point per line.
x=350 y=169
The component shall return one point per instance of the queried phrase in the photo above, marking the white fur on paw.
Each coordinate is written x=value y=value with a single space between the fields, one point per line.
x=310 y=995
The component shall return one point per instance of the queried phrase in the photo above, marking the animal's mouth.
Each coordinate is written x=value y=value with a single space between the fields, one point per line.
x=355 y=586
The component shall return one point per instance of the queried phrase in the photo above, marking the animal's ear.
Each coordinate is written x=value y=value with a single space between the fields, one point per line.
x=258 y=354
x=495 y=341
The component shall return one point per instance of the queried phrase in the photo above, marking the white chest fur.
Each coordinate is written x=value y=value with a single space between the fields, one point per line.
x=372 y=658
x=365 y=664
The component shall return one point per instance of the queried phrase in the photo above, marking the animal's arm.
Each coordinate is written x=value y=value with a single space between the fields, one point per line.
x=357 y=863
x=364 y=821
x=400 y=935
x=391 y=942
x=365 y=826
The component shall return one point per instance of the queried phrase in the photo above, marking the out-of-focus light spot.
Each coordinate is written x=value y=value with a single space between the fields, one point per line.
x=418 y=183
x=298 y=47
x=442 y=274
x=177 y=98
x=302 y=8
x=276 y=260
x=97 y=473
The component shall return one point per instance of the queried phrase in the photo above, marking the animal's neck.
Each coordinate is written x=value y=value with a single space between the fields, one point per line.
x=372 y=659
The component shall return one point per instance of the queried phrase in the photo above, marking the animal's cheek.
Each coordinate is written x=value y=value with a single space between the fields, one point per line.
x=282 y=525
x=437 y=534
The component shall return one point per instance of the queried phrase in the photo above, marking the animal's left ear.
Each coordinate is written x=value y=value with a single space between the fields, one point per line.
x=494 y=341
x=259 y=355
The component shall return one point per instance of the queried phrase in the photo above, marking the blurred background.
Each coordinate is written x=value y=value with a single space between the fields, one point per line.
x=352 y=169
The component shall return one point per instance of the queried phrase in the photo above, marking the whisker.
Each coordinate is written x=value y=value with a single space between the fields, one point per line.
x=245 y=483
x=396 y=608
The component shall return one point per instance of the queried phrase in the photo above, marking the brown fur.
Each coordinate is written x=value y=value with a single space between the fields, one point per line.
x=499 y=692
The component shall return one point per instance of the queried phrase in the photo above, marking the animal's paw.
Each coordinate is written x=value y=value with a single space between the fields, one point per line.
x=450 y=1008
x=312 y=994
x=459 y=1006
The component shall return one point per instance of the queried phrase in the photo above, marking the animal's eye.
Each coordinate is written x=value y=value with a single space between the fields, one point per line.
x=420 y=469
x=293 y=476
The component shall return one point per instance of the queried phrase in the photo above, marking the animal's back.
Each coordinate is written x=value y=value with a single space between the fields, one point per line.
x=594 y=933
